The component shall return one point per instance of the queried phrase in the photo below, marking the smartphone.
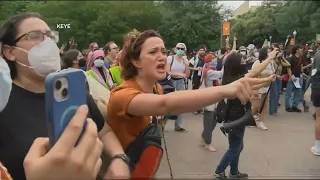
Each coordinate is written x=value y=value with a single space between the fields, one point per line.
x=65 y=91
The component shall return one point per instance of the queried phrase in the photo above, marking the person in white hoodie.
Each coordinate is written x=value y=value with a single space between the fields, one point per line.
x=210 y=77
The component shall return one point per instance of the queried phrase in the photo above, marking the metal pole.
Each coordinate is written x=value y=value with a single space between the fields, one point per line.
x=221 y=34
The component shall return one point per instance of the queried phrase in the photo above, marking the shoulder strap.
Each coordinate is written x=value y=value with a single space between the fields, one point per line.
x=111 y=77
x=171 y=62
x=299 y=63
x=155 y=91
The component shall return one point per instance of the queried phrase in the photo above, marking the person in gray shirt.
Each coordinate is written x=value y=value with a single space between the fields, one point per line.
x=210 y=77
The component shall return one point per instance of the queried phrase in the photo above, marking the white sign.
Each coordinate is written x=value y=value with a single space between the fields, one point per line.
x=318 y=37
x=63 y=26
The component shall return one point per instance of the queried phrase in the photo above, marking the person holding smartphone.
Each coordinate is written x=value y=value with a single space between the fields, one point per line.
x=27 y=44
x=62 y=161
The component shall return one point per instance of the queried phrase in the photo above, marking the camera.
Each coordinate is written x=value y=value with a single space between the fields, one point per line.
x=64 y=91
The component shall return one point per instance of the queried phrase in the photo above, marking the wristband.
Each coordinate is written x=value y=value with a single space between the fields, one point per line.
x=123 y=157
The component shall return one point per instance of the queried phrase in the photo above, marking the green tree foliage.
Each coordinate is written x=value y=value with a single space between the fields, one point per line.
x=193 y=23
x=278 y=19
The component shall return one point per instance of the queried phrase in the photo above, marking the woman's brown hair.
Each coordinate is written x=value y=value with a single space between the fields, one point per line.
x=91 y=46
x=131 y=50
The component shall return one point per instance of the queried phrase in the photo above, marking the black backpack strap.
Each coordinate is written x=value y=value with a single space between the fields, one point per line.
x=171 y=62
x=111 y=77
x=154 y=119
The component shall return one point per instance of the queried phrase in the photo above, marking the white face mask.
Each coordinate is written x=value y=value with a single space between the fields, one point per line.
x=98 y=63
x=6 y=83
x=256 y=54
x=44 y=58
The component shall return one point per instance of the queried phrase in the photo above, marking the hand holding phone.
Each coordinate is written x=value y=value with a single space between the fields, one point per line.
x=64 y=161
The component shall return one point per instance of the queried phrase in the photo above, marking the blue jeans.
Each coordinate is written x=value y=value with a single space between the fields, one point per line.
x=293 y=95
x=232 y=155
x=275 y=91
x=180 y=86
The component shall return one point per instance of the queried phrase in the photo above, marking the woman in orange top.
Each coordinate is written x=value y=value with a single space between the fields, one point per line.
x=143 y=62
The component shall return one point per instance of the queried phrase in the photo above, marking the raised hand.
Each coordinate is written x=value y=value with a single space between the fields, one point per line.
x=274 y=53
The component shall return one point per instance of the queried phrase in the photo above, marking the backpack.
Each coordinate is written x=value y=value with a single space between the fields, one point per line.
x=145 y=152
x=168 y=87
x=167 y=84
x=220 y=113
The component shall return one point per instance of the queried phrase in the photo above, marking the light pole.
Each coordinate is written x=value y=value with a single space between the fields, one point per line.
x=270 y=37
x=221 y=34
x=294 y=36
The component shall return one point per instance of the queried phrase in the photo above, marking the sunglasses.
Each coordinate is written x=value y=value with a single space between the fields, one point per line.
x=179 y=48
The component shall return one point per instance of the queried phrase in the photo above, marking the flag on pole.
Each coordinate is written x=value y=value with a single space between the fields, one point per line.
x=226 y=28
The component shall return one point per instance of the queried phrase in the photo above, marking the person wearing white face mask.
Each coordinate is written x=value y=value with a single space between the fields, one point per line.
x=29 y=49
x=38 y=163
x=98 y=70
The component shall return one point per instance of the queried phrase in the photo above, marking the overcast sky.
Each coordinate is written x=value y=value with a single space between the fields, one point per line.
x=236 y=4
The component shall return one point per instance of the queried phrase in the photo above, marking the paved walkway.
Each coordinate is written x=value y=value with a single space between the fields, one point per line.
x=281 y=152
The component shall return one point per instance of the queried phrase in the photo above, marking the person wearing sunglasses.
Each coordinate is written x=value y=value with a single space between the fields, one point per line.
x=179 y=72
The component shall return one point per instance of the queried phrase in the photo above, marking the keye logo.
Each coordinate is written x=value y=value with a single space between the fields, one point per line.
x=63 y=26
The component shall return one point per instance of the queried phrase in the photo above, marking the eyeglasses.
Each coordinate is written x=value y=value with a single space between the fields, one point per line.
x=38 y=36
x=179 y=48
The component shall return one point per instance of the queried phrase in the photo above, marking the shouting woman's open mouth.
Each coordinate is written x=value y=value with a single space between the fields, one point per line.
x=161 y=68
